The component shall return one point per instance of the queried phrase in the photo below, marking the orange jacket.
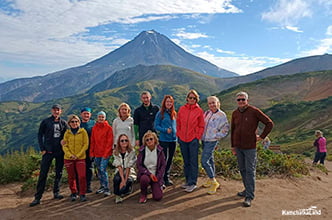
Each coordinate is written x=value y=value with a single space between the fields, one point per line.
x=101 y=143
x=190 y=123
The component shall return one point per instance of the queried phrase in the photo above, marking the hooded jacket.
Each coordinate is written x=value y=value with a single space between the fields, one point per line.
x=190 y=123
x=101 y=143
x=75 y=144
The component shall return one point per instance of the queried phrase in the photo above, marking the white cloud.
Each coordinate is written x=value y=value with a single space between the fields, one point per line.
x=187 y=35
x=329 y=30
x=288 y=13
x=57 y=31
x=324 y=46
x=295 y=29
x=242 y=64
x=225 y=51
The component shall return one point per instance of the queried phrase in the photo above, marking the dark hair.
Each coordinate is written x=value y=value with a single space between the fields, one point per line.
x=163 y=107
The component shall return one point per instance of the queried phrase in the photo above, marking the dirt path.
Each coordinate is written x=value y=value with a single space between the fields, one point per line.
x=272 y=196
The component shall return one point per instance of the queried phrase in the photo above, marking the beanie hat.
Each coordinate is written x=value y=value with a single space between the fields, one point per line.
x=86 y=109
x=101 y=113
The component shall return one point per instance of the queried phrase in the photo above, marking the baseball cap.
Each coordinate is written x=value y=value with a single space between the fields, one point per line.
x=57 y=106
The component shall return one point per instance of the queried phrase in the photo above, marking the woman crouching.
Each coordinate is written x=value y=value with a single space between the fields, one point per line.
x=151 y=165
x=124 y=161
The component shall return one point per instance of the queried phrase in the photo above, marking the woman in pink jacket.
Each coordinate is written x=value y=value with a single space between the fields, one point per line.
x=320 y=144
x=190 y=127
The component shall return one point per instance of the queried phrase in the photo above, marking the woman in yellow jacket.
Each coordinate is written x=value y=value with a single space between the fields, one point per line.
x=75 y=144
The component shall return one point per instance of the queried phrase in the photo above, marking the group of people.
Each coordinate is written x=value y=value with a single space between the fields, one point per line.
x=81 y=141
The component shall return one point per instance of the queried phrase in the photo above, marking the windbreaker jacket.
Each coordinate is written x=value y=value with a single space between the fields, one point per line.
x=216 y=125
x=75 y=144
x=123 y=127
x=129 y=161
x=190 y=123
x=47 y=141
x=161 y=164
x=161 y=125
x=101 y=143
x=244 y=125
x=320 y=144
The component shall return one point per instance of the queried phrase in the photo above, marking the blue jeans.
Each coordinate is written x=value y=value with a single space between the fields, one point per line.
x=189 y=151
x=207 y=157
x=247 y=159
x=101 y=164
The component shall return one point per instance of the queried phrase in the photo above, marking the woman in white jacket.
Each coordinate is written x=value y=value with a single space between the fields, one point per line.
x=124 y=161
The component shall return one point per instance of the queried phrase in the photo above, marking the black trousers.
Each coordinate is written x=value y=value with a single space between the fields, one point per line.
x=123 y=190
x=169 y=149
x=44 y=168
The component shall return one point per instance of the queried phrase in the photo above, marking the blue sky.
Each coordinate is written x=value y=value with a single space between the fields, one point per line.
x=244 y=36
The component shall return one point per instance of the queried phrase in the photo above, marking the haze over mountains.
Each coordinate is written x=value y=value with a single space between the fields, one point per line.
x=148 y=48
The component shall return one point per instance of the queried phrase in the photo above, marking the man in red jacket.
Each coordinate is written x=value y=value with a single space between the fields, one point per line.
x=245 y=121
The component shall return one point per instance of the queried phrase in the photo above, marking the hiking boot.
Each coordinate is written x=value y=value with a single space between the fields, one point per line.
x=190 y=188
x=100 y=190
x=83 y=198
x=73 y=197
x=34 y=202
x=207 y=184
x=169 y=183
x=58 y=196
x=241 y=194
x=142 y=199
x=247 y=202
x=89 y=190
x=213 y=188
x=118 y=199
x=107 y=192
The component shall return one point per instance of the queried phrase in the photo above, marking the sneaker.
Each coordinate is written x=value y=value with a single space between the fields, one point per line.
x=247 y=202
x=142 y=199
x=184 y=186
x=73 y=197
x=100 y=190
x=213 y=188
x=241 y=194
x=83 y=198
x=57 y=196
x=34 y=202
x=107 y=192
x=190 y=188
x=118 y=199
x=207 y=184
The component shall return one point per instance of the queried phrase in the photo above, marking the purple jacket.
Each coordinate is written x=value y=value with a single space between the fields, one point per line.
x=161 y=164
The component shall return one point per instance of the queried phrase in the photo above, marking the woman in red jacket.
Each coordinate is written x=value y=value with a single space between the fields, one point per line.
x=101 y=149
x=190 y=127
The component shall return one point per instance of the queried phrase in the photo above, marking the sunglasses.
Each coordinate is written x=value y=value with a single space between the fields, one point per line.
x=241 y=100
x=148 y=139
x=74 y=121
x=190 y=97
x=124 y=140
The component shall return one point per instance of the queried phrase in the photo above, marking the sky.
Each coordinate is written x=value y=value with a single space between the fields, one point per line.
x=244 y=36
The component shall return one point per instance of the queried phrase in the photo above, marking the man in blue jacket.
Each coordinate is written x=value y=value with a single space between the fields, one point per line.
x=50 y=134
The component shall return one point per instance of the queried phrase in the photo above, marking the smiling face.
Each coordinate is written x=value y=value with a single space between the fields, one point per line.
x=56 y=112
x=124 y=143
x=74 y=123
x=146 y=99
x=124 y=112
x=101 y=118
x=150 y=142
x=191 y=99
x=213 y=104
x=242 y=101
x=168 y=103
x=85 y=116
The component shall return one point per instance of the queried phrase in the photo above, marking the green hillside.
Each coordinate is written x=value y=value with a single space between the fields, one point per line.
x=298 y=104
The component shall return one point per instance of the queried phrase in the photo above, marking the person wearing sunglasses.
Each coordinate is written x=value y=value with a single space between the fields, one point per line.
x=165 y=124
x=123 y=124
x=76 y=142
x=151 y=165
x=244 y=124
x=189 y=130
x=101 y=148
x=50 y=134
x=124 y=161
